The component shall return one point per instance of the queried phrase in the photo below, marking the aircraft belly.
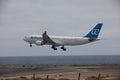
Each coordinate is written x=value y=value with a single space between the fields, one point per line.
x=73 y=41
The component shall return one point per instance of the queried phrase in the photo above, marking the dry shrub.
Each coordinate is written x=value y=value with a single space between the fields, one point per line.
x=49 y=79
x=12 y=79
x=7 y=79
x=111 y=78
x=60 y=75
x=63 y=79
x=117 y=78
x=38 y=78
x=23 y=78
x=92 y=78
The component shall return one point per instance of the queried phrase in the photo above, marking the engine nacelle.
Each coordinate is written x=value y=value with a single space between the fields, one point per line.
x=38 y=43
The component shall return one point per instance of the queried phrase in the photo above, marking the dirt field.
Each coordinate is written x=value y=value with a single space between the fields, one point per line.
x=107 y=72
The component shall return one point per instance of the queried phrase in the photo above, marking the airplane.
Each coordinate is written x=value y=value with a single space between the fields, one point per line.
x=56 y=41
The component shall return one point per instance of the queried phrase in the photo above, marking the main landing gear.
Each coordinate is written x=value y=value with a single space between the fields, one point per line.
x=53 y=47
x=63 y=48
x=30 y=44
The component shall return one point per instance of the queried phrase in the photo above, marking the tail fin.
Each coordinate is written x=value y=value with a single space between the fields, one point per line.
x=95 y=31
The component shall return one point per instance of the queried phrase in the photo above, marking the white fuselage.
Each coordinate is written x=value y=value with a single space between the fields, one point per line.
x=60 y=40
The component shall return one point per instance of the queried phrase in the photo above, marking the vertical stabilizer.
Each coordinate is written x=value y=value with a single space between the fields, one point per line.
x=95 y=31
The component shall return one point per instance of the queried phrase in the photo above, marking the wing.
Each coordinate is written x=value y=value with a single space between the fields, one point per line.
x=48 y=40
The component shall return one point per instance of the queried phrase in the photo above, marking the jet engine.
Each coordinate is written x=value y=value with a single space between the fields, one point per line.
x=38 y=43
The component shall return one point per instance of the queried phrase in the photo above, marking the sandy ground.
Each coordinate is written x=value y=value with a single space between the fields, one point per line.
x=58 y=72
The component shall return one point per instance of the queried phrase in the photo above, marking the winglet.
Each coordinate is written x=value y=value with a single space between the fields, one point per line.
x=95 y=31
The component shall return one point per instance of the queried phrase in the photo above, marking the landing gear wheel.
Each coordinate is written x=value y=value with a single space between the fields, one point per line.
x=30 y=45
x=63 y=48
x=53 y=47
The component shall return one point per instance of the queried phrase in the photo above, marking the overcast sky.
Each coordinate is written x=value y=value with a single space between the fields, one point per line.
x=19 y=18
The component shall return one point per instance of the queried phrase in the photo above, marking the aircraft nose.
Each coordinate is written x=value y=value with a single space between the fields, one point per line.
x=25 y=38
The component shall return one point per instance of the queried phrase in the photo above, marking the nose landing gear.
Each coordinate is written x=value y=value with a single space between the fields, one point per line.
x=30 y=44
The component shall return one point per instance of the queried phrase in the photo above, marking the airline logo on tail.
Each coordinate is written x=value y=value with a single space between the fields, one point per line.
x=95 y=31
